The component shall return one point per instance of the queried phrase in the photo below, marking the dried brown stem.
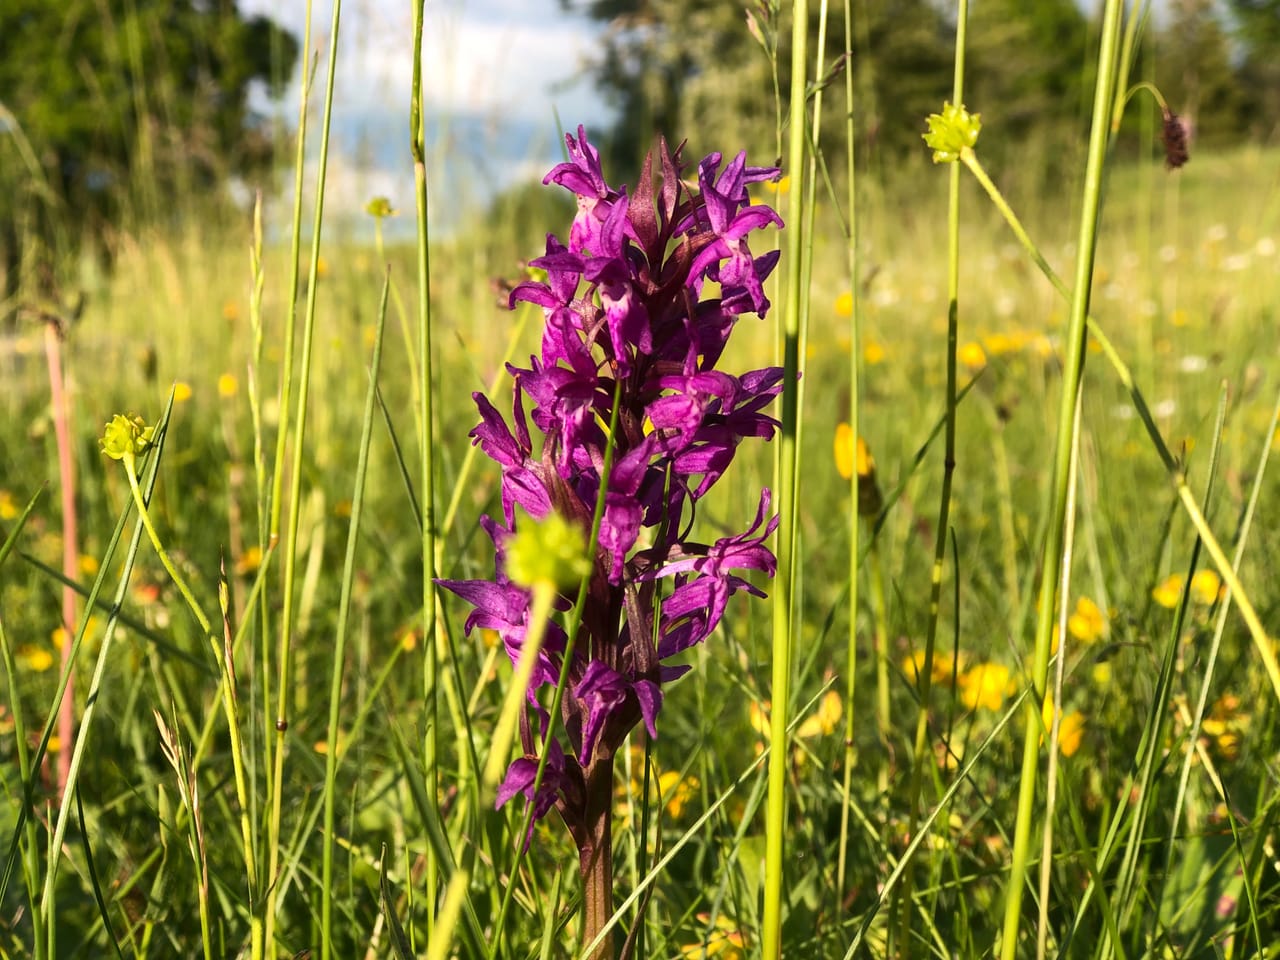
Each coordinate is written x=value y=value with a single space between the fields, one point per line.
x=61 y=408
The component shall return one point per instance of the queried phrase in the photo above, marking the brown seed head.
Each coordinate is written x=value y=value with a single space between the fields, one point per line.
x=1175 y=134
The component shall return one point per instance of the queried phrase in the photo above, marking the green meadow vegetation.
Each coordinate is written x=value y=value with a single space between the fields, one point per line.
x=1014 y=688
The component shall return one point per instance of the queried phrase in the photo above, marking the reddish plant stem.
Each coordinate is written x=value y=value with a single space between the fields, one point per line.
x=61 y=407
x=595 y=856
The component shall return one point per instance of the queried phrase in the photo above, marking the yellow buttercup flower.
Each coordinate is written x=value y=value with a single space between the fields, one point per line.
x=1087 y=624
x=1206 y=587
x=8 y=506
x=844 y=305
x=249 y=561
x=759 y=719
x=972 y=355
x=1071 y=733
x=1070 y=727
x=322 y=746
x=998 y=344
x=985 y=685
x=1226 y=725
x=181 y=392
x=35 y=659
x=943 y=667
x=844 y=450
x=1168 y=591
x=853 y=455
x=675 y=791
x=825 y=720
x=873 y=353
x=724 y=942
x=407 y=637
x=821 y=723
x=667 y=788
x=227 y=386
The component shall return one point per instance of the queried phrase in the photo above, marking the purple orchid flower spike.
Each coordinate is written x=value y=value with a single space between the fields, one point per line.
x=521 y=779
x=583 y=176
x=629 y=340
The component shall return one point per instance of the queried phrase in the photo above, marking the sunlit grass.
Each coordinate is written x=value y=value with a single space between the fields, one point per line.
x=1188 y=298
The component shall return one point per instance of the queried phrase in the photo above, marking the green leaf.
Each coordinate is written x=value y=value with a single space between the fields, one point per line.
x=398 y=939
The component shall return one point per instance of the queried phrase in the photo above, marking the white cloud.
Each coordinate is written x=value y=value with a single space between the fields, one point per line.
x=501 y=57
x=493 y=77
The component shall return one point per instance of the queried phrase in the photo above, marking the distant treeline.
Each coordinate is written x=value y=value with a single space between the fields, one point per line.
x=127 y=111
x=689 y=66
x=114 y=112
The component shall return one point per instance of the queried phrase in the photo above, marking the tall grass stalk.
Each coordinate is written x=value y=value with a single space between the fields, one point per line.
x=189 y=793
x=452 y=684
x=788 y=502
x=463 y=482
x=48 y=904
x=889 y=887
x=340 y=638
x=852 y=264
x=291 y=293
x=810 y=183
x=1177 y=476
x=430 y=661
x=273 y=885
x=1151 y=753
x=266 y=544
x=1051 y=564
x=402 y=315
x=25 y=833
x=920 y=750
x=880 y=644
x=224 y=657
x=1055 y=722
x=1135 y=23
x=1219 y=629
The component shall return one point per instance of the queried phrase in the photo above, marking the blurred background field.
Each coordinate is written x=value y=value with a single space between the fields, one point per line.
x=137 y=240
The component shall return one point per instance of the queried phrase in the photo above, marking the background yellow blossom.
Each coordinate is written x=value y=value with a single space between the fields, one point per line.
x=985 y=685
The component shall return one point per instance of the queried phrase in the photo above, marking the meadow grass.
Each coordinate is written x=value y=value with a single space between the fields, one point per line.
x=353 y=818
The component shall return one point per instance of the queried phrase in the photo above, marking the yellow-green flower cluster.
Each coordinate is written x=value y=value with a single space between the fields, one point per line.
x=951 y=132
x=126 y=437
x=553 y=550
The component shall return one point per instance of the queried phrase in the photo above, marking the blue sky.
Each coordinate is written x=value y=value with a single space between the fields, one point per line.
x=495 y=70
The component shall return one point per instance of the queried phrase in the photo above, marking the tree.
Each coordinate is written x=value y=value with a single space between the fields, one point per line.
x=1257 y=32
x=1029 y=72
x=1195 y=72
x=115 y=106
x=690 y=68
